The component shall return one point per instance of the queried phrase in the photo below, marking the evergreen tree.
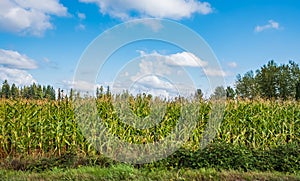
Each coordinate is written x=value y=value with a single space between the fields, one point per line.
x=26 y=92
x=59 y=94
x=14 y=91
x=267 y=79
x=97 y=92
x=5 y=90
x=219 y=93
x=108 y=93
x=295 y=77
x=49 y=92
x=39 y=93
x=33 y=91
x=52 y=93
x=71 y=97
x=246 y=86
x=284 y=82
x=230 y=93
x=298 y=91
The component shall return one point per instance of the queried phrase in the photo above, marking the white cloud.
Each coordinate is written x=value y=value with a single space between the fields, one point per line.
x=232 y=64
x=29 y=16
x=19 y=77
x=155 y=82
x=164 y=75
x=185 y=59
x=81 y=85
x=81 y=16
x=13 y=67
x=173 y=9
x=271 y=25
x=158 y=86
x=215 y=72
x=14 y=59
x=160 y=75
x=158 y=92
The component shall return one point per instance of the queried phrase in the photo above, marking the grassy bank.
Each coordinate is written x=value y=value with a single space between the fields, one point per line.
x=125 y=172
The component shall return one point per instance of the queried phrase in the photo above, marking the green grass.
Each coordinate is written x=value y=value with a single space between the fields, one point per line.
x=126 y=172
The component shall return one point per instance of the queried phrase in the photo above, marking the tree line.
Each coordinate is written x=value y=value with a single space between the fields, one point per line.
x=271 y=81
x=34 y=91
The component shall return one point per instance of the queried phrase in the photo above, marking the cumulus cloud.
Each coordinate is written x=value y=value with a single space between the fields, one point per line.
x=271 y=25
x=185 y=59
x=81 y=85
x=163 y=64
x=158 y=86
x=17 y=76
x=158 y=74
x=157 y=92
x=14 y=59
x=173 y=9
x=155 y=82
x=30 y=16
x=13 y=66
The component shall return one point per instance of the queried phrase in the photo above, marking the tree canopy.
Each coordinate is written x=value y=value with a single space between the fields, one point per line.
x=271 y=81
x=34 y=91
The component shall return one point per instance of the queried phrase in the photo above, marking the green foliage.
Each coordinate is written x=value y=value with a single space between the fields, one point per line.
x=127 y=172
x=226 y=156
x=33 y=91
x=230 y=93
x=271 y=81
x=5 y=91
x=298 y=91
x=267 y=79
x=219 y=93
x=262 y=135
x=246 y=86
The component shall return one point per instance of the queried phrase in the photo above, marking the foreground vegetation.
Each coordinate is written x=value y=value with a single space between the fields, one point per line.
x=126 y=172
x=259 y=135
x=49 y=127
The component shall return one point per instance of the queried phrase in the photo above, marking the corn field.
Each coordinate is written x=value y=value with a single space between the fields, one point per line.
x=50 y=128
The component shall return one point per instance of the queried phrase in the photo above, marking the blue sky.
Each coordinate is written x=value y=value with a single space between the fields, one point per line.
x=42 y=40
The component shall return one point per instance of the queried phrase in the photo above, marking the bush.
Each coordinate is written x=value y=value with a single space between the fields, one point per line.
x=220 y=155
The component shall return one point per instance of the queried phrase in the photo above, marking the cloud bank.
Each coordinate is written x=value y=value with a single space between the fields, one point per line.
x=163 y=75
x=14 y=66
x=17 y=76
x=172 y=9
x=14 y=59
x=30 y=16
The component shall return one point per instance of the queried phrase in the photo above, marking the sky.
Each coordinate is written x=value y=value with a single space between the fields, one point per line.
x=43 y=41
